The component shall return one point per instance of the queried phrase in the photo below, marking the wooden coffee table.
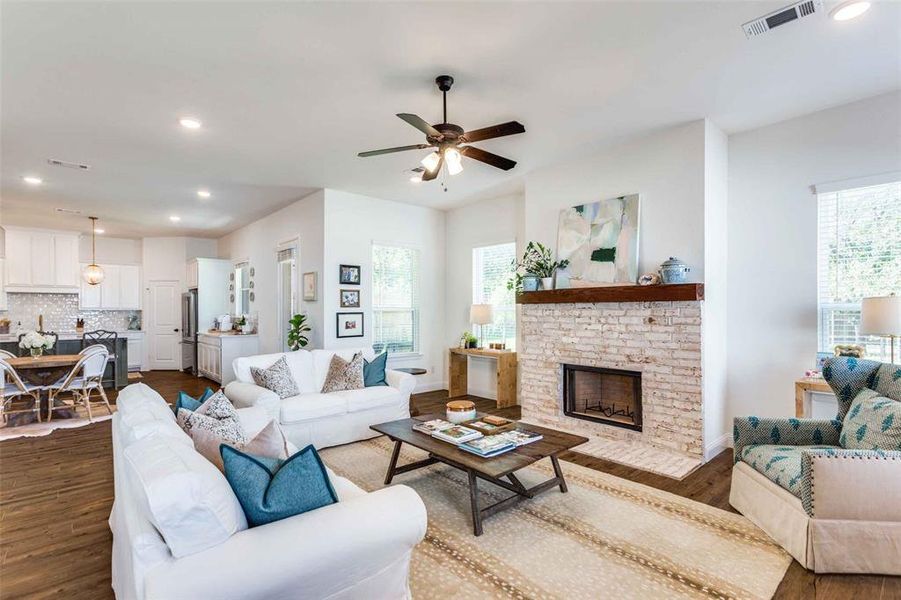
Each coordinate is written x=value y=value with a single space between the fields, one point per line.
x=492 y=470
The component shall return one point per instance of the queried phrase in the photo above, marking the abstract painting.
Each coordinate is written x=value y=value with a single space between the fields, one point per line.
x=600 y=240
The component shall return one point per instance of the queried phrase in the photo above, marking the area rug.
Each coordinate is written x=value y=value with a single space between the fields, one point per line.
x=606 y=538
x=641 y=456
x=45 y=428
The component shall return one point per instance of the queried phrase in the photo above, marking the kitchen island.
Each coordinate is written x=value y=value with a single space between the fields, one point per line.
x=116 y=374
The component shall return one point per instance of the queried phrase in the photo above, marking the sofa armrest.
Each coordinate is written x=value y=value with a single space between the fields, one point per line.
x=243 y=395
x=314 y=555
x=788 y=432
x=856 y=485
x=402 y=381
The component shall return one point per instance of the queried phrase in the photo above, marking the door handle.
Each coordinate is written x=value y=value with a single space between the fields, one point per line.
x=175 y=330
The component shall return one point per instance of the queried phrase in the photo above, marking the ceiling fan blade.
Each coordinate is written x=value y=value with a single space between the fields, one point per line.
x=390 y=150
x=495 y=131
x=430 y=175
x=488 y=158
x=420 y=124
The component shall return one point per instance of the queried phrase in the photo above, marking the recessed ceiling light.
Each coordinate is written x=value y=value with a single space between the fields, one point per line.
x=190 y=123
x=849 y=10
x=174 y=218
x=31 y=179
x=203 y=193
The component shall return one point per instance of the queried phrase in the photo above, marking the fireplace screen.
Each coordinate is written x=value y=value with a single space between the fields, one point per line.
x=608 y=396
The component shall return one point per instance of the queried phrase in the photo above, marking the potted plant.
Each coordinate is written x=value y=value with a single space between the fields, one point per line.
x=537 y=263
x=471 y=340
x=36 y=343
x=298 y=327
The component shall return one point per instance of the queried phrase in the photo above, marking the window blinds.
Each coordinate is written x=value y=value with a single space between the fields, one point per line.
x=395 y=299
x=858 y=255
x=492 y=267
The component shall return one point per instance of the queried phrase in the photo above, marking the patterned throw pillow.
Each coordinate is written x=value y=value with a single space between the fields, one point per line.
x=872 y=423
x=276 y=378
x=269 y=442
x=343 y=376
x=216 y=415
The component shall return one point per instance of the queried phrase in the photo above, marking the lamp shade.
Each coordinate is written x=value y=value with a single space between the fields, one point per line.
x=881 y=315
x=481 y=314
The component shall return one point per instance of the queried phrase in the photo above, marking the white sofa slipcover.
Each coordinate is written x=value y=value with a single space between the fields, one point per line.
x=322 y=419
x=359 y=547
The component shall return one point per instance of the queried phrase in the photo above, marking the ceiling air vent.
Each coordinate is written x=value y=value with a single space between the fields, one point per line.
x=68 y=211
x=796 y=11
x=55 y=162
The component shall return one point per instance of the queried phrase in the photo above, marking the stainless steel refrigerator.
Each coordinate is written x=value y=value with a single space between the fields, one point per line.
x=189 y=331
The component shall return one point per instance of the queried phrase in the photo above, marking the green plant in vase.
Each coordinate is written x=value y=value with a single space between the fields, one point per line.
x=537 y=264
x=297 y=328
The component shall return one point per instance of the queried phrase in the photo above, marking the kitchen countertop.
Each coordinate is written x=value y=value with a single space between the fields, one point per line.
x=67 y=335
x=226 y=334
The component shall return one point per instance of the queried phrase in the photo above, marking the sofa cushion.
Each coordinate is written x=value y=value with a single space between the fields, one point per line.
x=371 y=397
x=312 y=406
x=779 y=464
x=872 y=423
x=887 y=381
x=300 y=363
x=143 y=414
x=344 y=375
x=271 y=489
x=186 y=498
x=188 y=402
x=269 y=442
x=321 y=359
x=374 y=371
x=216 y=415
x=277 y=377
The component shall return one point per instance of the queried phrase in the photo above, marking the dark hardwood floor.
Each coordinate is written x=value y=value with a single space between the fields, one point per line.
x=56 y=493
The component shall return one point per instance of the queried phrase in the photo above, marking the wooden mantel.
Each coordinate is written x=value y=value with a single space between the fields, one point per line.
x=618 y=293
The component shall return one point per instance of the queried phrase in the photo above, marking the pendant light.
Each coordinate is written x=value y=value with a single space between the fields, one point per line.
x=92 y=273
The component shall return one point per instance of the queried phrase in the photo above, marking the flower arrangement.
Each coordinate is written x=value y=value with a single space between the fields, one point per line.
x=36 y=343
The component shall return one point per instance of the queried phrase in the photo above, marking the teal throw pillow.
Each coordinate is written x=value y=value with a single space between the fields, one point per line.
x=374 y=372
x=873 y=423
x=190 y=403
x=270 y=489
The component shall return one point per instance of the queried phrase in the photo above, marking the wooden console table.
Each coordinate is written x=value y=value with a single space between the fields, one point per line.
x=458 y=369
x=803 y=389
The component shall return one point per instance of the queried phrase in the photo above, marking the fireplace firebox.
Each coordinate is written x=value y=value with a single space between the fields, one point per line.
x=609 y=396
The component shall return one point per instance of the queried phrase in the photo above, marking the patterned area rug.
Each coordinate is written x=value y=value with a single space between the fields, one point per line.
x=8 y=432
x=607 y=537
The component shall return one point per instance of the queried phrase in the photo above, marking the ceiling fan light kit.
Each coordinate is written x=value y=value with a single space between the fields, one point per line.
x=450 y=141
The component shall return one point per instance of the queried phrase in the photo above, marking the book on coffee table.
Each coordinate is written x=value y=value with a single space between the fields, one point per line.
x=431 y=426
x=520 y=437
x=456 y=434
x=488 y=446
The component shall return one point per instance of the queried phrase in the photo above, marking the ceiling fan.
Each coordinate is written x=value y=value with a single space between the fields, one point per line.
x=451 y=141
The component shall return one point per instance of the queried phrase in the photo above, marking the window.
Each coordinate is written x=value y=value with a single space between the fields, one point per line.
x=287 y=290
x=395 y=299
x=492 y=266
x=242 y=288
x=859 y=255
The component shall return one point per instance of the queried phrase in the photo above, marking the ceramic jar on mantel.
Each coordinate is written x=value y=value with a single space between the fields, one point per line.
x=674 y=271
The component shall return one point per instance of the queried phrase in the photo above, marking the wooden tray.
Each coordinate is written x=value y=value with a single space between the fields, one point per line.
x=499 y=429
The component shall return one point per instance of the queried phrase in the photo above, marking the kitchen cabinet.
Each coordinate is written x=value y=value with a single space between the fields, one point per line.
x=135 y=342
x=3 y=304
x=216 y=352
x=119 y=290
x=193 y=273
x=41 y=261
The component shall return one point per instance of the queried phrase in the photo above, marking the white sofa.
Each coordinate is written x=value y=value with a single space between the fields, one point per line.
x=322 y=419
x=179 y=533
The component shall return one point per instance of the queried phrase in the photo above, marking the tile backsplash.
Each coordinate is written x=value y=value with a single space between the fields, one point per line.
x=60 y=312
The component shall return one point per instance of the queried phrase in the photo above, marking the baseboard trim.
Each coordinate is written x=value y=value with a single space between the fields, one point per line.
x=429 y=386
x=718 y=445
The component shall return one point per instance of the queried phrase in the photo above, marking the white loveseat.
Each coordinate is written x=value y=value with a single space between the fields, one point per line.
x=179 y=532
x=322 y=419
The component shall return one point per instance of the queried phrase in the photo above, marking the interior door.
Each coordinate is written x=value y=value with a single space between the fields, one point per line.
x=164 y=325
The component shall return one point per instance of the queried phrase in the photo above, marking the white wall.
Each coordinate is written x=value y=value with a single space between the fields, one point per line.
x=166 y=258
x=717 y=428
x=352 y=224
x=772 y=320
x=665 y=167
x=110 y=250
x=257 y=242
x=484 y=223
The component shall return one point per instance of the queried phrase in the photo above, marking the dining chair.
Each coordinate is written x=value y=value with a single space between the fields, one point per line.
x=12 y=386
x=51 y=350
x=85 y=377
x=6 y=354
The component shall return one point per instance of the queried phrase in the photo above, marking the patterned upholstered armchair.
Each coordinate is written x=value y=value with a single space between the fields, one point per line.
x=829 y=491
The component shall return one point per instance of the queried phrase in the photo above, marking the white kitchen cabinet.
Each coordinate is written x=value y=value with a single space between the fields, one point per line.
x=3 y=304
x=119 y=290
x=135 y=349
x=215 y=354
x=41 y=261
x=192 y=274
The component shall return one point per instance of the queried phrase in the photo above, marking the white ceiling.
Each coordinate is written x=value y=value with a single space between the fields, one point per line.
x=290 y=92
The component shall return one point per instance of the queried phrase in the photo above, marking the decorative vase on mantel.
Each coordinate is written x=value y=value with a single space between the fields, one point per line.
x=547 y=283
x=36 y=352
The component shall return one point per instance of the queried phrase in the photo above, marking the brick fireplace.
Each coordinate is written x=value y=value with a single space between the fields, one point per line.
x=649 y=350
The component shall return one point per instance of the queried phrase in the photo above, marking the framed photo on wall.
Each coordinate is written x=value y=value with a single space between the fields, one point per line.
x=309 y=286
x=349 y=324
x=349 y=274
x=350 y=298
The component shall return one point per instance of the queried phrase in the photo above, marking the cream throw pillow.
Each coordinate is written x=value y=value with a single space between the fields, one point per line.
x=269 y=443
x=343 y=376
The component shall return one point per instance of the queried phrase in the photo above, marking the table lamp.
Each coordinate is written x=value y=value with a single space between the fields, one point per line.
x=881 y=315
x=481 y=315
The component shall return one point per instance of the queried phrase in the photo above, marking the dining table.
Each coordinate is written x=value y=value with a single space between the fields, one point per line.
x=43 y=370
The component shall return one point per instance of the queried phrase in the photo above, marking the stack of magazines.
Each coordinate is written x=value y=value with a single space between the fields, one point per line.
x=489 y=445
x=430 y=427
x=456 y=434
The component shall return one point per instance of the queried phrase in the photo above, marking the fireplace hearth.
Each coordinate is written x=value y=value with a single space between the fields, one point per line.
x=609 y=396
